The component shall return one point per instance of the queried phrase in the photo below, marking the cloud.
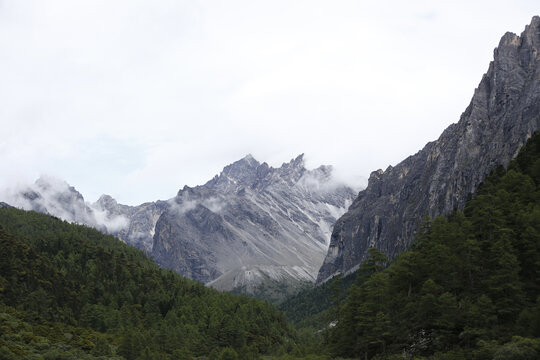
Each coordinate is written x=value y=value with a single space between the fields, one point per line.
x=112 y=223
x=173 y=90
x=184 y=203
x=57 y=198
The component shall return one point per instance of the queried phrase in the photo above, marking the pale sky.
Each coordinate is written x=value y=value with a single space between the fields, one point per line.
x=138 y=98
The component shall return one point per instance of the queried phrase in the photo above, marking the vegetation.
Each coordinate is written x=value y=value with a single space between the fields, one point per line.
x=68 y=291
x=469 y=287
x=316 y=306
x=274 y=291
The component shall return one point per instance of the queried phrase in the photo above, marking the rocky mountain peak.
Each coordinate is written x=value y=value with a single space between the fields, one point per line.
x=107 y=201
x=503 y=113
x=532 y=31
x=249 y=173
x=240 y=173
x=292 y=171
x=57 y=187
x=251 y=214
x=237 y=169
x=297 y=162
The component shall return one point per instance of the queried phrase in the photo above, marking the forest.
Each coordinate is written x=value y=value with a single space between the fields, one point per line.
x=468 y=288
x=69 y=292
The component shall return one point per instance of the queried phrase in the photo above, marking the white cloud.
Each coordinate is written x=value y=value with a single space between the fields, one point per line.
x=185 y=203
x=55 y=197
x=138 y=98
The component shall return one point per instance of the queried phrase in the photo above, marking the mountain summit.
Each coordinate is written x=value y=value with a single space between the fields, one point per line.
x=250 y=223
x=502 y=115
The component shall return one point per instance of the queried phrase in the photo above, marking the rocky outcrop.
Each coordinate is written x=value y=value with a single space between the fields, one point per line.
x=252 y=215
x=503 y=113
x=140 y=229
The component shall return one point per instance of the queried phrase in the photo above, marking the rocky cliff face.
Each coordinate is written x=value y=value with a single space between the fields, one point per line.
x=252 y=222
x=140 y=228
x=503 y=113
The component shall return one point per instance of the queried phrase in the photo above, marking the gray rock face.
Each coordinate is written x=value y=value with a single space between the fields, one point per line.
x=503 y=113
x=266 y=282
x=139 y=231
x=252 y=215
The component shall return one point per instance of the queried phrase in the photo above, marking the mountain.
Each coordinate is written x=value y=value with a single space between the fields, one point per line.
x=58 y=198
x=468 y=287
x=132 y=224
x=251 y=229
x=503 y=113
x=252 y=224
x=142 y=219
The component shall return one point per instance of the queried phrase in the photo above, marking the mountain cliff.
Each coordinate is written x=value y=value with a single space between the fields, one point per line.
x=140 y=229
x=251 y=224
x=503 y=114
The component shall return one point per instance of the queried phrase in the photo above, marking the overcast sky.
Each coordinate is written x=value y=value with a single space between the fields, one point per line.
x=138 y=98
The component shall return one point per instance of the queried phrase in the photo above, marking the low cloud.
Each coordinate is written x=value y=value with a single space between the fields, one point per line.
x=185 y=203
x=112 y=223
x=323 y=180
x=57 y=198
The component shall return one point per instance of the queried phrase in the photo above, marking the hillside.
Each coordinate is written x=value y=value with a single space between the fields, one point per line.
x=68 y=291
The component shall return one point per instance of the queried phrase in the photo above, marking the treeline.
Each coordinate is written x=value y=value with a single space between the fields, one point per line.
x=469 y=287
x=68 y=291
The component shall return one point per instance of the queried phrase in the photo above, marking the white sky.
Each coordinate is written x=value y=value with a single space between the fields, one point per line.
x=139 y=98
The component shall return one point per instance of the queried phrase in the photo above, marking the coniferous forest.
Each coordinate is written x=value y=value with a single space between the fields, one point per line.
x=70 y=292
x=468 y=288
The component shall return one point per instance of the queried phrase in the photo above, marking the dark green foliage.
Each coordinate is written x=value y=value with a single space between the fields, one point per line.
x=57 y=278
x=275 y=291
x=469 y=287
x=306 y=307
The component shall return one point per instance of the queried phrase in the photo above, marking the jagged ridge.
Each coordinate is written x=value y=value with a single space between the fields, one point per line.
x=503 y=113
x=276 y=219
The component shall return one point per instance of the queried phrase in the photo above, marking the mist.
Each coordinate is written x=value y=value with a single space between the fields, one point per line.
x=57 y=198
x=137 y=98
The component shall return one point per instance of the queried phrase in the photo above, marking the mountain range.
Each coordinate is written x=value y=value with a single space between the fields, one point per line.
x=254 y=226
x=249 y=228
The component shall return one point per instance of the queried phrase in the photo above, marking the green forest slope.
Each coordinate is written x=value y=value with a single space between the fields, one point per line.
x=70 y=292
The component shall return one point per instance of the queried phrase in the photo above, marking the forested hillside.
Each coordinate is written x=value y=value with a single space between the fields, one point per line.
x=70 y=292
x=469 y=287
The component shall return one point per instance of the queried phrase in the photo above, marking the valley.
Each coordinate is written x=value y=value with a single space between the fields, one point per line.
x=437 y=258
